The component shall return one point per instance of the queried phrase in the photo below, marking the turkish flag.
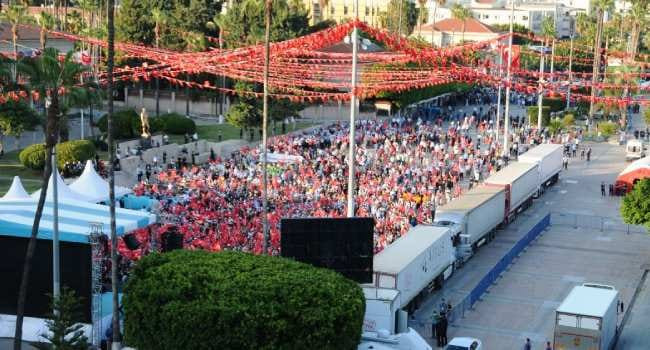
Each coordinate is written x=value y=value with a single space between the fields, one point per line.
x=516 y=53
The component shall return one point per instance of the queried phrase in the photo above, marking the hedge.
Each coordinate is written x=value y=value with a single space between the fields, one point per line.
x=33 y=156
x=127 y=124
x=232 y=300
x=546 y=115
x=406 y=98
x=555 y=104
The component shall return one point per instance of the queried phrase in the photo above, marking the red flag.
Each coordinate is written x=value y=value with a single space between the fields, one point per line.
x=516 y=53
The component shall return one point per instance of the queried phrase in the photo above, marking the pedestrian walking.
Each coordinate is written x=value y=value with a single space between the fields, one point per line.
x=528 y=345
x=565 y=162
x=582 y=154
x=589 y=154
x=602 y=189
x=548 y=346
x=443 y=328
x=611 y=190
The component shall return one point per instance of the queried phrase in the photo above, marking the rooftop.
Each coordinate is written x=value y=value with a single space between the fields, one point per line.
x=472 y=25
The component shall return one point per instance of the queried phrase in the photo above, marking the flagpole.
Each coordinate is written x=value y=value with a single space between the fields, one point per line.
x=353 y=110
x=506 y=134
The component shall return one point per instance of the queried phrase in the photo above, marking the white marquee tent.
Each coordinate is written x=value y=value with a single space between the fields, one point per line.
x=93 y=186
x=16 y=191
x=63 y=191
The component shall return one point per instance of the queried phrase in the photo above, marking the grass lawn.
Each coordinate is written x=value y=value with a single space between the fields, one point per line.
x=10 y=166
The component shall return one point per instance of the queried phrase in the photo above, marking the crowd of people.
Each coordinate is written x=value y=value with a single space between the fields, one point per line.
x=405 y=167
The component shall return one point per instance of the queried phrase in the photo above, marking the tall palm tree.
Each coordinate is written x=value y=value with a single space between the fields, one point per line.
x=638 y=19
x=217 y=22
x=601 y=6
x=110 y=9
x=15 y=15
x=422 y=4
x=46 y=22
x=48 y=75
x=159 y=18
x=461 y=13
x=433 y=21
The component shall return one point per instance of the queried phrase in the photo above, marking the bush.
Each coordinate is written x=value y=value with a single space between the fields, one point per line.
x=33 y=156
x=607 y=129
x=568 y=120
x=232 y=300
x=126 y=124
x=532 y=115
x=555 y=104
x=173 y=124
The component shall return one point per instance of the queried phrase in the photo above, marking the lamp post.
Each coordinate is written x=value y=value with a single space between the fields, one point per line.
x=265 y=113
x=498 y=122
x=56 y=267
x=568 y=92
x=353 y=111
x=507 y=108
x=540 y=92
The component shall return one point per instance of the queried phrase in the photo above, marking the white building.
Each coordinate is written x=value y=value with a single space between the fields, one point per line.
x=529 y=15
x=450 y=32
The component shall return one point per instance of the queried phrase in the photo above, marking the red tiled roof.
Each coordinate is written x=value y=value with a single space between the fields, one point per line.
x=455 y=25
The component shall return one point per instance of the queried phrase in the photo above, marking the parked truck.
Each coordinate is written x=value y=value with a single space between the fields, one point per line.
x=548 y=158
x=587 y=318
x=520 y=182
x=473 y=218
x=406 y=271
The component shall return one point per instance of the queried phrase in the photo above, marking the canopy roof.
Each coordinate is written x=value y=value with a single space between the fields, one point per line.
x=93 y=186
x=16 y=191
x=75 y=218
x=636 y=165
x=63 y=191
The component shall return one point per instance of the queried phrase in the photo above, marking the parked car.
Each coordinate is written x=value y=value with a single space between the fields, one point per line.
x=464 y=343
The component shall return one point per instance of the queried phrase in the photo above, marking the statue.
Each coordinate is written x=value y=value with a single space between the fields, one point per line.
x=144 y=120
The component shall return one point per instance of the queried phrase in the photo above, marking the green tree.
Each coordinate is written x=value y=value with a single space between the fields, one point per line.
x=46 y=22
x=49 y=76
x=646 y=116
x=601 y=7
x=235 y=300
x=461 y=13
x=243 y=23
x=637 y=16
x=159 y=18
x=64 y=325
x=635 y=209
x=400 y=17
x=15 y=15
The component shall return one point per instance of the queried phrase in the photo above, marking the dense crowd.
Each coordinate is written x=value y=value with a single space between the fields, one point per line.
x=405 y=167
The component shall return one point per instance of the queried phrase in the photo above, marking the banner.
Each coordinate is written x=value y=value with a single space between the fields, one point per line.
x=516 y=53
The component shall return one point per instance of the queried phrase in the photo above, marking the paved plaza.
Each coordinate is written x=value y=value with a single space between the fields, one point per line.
x=522 y=303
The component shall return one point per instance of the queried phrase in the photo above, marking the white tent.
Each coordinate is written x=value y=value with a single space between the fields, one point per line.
x=64 y=192
x=93 y=186
x=16 y=191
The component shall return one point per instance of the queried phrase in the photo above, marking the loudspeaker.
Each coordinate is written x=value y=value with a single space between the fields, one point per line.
x=171 y=240
x=130 y=241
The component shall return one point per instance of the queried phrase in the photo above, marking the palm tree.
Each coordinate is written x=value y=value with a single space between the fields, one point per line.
x=638 y=20
x=422 y=4
x=218 y=23
x=159 y=18
x=46 y=22
x=461 y=13
x=601 y=6
x=433 y=22
x=15 y=15
x=111 y=171
x=48 y=76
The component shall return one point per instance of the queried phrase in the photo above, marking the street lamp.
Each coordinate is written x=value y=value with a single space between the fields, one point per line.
x=353 y=111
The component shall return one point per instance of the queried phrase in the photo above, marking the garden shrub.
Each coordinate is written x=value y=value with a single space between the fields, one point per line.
x=555 y=104
x=33 y=156
x=532 y=115
x=175 y=124
x=607 y=129
x=126 y=124
x=233 y=300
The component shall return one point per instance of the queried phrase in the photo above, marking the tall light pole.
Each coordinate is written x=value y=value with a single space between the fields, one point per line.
x=353 y=111
x=568 y=92
x=498 y=123
x=56 y=261
x=506 y=134
x=540 y=92
x=265 y=117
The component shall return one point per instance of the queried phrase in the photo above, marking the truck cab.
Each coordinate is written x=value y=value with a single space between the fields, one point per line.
x=461 y=241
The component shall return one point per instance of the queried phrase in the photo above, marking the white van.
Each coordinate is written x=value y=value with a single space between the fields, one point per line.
x=634 y=150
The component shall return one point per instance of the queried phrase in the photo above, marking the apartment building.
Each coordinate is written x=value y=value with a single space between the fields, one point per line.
x=342 y=10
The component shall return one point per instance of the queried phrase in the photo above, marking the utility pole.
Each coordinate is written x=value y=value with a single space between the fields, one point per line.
x=265 y=117
x=498 y=123
x=540 y=92
x=506 y=134
x=568 y=92
x=353 y=111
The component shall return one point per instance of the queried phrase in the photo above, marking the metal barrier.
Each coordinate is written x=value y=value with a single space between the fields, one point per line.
x=594 y=222
x=470 y=299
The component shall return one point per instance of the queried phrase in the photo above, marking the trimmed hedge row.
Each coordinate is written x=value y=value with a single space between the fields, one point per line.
x=33 y=156
x=232 y=300
x=127 y=125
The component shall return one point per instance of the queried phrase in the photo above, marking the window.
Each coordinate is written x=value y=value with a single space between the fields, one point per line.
x=525 y=18
x=367 y=11
x=345 y=10
x=567 y=320
x=332 y=10
x=589 y=323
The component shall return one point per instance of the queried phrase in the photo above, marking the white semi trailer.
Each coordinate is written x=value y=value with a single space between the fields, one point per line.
x=473 y=217
x=587 y=318
x=548 y=158
x=520 y=182
x=404 y=272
